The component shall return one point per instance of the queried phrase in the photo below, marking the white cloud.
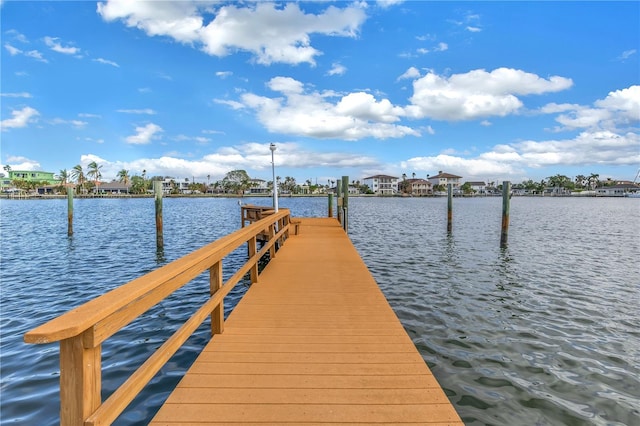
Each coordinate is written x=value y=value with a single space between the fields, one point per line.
x=12 y=50
x=253 y=157
x=144 y=135
x=473 y=29
x=147 y=111
x=22 y=163
x=36 y=55
x=441 y=47
x=16 y=95
x=53 y=44
x=354 y=116
x=478 y=93
x=627 y=54
x=410 y=73
x=75 y=123
x=270 y=32
x=337 y=69
x=224 y=74
x=619 y=108
x=107 y=62
x=20 y=118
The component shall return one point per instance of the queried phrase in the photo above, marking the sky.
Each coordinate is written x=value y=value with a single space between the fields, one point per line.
x=488 y=91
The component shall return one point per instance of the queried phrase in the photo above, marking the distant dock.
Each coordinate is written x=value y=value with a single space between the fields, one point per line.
x=312 y=341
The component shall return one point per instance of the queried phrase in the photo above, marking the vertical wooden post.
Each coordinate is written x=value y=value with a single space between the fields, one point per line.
x=215 y=283
x=253 y=249
x=157 y=189
x=345 y=203
x=272 y=235
x=69 y=211
x=449 y=207
x=506 y=207
x=80 y=381
x=340 y=200
x=330 y=213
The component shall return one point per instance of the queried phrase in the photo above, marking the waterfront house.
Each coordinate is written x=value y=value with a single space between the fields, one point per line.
x=418 y=186
x=478 y=187
x=114 y=188
x=258 y=187
x=619 y=190
x=444 y=179
x=382 y=184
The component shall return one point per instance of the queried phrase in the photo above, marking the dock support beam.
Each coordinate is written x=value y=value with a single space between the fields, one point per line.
x=330 y=212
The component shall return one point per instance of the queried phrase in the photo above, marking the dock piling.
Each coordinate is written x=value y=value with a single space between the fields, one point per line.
x=157 y=189
x=69 y=211
x=330 y=212
x=345 y=203
x=506 y=207
x=449 y=207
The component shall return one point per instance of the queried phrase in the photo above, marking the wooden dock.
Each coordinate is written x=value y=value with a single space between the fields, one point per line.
x=313 y=341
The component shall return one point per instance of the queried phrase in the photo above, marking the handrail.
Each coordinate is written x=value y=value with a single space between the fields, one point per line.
x=82 y=330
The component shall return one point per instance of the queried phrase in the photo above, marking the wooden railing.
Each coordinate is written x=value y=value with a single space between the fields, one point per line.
x=81 y=331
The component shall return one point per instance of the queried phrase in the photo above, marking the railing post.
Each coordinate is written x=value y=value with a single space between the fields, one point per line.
x=272 y=234
x=80 y=381
x=253 y=249
x=215 y=284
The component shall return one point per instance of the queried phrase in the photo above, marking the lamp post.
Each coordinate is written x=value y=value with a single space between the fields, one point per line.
x=272 y=147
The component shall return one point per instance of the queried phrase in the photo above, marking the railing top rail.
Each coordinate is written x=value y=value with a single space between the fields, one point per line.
x=80 y=319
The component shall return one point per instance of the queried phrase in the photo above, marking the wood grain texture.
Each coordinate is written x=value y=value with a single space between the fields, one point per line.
x=314 y=341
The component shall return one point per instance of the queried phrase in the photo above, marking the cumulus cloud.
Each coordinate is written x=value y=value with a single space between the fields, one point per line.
x=144 y=134
x=20 y=118
x=619 y=109
x=325 y=115
x=253 y=157
x=271 y=33
x=22 y=163
x=478 y=93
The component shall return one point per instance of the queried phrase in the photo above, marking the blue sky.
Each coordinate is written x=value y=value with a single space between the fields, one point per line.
x=487 y=90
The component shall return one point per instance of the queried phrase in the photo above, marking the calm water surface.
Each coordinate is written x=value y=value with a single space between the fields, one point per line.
x=544 y=332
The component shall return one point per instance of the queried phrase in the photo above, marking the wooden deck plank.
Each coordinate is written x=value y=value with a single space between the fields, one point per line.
x=313 y=342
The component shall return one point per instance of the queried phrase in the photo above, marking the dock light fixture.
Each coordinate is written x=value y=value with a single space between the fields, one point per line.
x=272 y=147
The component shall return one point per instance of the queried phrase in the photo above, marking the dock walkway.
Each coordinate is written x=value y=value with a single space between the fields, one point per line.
x=313 y=341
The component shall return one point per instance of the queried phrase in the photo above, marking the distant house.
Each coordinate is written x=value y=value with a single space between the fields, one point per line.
x=258 y=186
x=418 y=186
x=34 y=176
x=114 y=188
x=382 y=184
x=445 y=179
x=620 y=190
x=478 y=187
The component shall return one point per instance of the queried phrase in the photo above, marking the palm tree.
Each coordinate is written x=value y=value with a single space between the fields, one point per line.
x=78 y=175
x=123 y=176
x=593 y=180
x=94 y=172
x=64 y=177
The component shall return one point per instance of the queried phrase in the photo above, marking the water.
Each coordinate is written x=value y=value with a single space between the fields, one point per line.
x=546 y=331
